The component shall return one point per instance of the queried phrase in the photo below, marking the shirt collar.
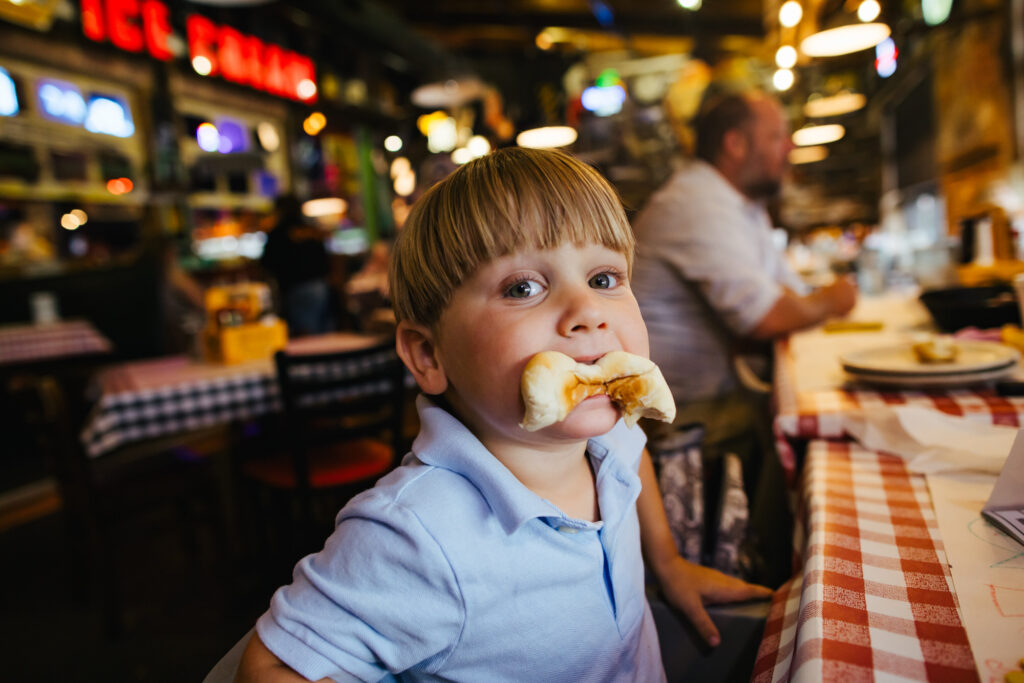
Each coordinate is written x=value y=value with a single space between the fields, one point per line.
x=445 y=442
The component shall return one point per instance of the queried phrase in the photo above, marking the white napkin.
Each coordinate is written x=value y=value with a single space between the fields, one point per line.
x=932 y=441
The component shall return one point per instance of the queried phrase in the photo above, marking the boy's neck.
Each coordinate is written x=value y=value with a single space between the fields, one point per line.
x=561 y=475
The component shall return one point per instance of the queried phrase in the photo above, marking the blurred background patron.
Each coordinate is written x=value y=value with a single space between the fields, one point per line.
x=711 y=284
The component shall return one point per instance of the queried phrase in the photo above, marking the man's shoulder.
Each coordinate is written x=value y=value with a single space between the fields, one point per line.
x=681 y=202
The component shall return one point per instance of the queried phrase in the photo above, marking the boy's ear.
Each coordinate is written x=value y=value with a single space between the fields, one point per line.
x=415 y=345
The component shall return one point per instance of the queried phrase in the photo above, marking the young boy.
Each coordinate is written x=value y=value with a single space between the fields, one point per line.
x=494 y=553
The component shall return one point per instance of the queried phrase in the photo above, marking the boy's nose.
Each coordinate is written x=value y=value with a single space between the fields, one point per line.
x=582 y=313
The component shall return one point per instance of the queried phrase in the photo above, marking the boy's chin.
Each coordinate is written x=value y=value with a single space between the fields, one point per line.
x=593 y=417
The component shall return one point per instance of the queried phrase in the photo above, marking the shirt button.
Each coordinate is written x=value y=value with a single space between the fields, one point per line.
x=567 y=530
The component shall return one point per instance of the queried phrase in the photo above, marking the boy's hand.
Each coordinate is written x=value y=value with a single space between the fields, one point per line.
x=688 y=587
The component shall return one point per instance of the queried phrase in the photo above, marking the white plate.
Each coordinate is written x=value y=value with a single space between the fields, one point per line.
x=973 y=357
x=950 y=380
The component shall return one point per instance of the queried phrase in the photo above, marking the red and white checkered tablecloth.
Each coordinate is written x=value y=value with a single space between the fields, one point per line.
x=875 y=599
x=816 y=409
x=33 y=343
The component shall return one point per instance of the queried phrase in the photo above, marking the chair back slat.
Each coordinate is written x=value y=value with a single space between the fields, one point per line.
x=340 y=396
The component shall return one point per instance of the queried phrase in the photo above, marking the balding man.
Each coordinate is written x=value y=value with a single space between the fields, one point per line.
x=711 y=282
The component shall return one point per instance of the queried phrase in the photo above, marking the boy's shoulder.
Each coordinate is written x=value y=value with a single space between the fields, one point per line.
x=418 y=494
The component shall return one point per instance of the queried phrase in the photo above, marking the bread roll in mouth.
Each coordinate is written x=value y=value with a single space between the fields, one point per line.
x=553 y=384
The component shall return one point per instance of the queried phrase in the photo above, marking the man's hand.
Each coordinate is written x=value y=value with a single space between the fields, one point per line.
x=841 y=296
x=793 y=312
x=689 y=587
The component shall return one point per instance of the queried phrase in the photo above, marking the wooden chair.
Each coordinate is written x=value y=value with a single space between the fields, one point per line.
x=342 y=429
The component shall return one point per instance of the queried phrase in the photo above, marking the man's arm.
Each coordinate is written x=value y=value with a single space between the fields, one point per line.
x=260 y=665
x=687 y=586
x=793 y=312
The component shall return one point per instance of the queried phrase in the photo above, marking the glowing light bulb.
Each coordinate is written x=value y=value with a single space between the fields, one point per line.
x=868 y=10
x=400 y=166
x=69 y=222
x=208 y=137
x=268 y=137
x=790 y=13
x=306 y=89
x=462 y=155
x=785 y=57
x=478 y=146
x=202 y=65
x=783 y=79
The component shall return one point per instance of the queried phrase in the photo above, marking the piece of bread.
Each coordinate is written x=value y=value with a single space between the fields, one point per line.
x=939 y=349
x=553 y=384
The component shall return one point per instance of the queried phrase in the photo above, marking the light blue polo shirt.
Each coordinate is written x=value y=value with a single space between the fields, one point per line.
x=451 y=569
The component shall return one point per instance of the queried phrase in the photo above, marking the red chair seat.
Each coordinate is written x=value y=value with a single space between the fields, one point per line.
x=334 y=465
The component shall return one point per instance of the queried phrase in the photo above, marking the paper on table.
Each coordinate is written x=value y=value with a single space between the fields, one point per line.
x=1005 y=507
x=932 y=441
x=988 y=572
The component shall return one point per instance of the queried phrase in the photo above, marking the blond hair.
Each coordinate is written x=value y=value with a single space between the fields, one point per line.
x=510 y=200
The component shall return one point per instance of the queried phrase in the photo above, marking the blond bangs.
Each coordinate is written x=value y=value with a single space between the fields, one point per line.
x=510 y=200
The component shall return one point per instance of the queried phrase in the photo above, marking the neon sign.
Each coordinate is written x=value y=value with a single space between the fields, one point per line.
x=214 y=49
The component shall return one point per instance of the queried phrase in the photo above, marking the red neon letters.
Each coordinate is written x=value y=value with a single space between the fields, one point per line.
x=137 y=25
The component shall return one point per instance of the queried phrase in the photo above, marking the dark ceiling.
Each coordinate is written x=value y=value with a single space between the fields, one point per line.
x=450 y=19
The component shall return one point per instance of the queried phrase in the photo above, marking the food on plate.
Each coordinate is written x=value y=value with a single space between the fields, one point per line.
x=553 y=384
x=937 y=349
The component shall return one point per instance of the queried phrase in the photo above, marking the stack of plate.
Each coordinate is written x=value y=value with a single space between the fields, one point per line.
x=976 y=361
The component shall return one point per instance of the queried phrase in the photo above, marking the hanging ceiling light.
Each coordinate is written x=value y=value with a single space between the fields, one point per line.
x=844 y=39
x=808 y=155
x=834 y=105
x=547 y=137
x=818 y=135
x=453 y=92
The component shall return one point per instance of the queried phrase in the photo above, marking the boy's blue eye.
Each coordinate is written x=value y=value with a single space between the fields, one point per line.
x=603 y=281
x=523 y=289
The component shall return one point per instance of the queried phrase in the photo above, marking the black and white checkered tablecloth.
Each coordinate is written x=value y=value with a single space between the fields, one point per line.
x=126 y=417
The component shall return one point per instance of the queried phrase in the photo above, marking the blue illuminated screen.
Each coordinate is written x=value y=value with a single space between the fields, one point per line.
x=60 y=101
x=8 y=94
x=109 y=115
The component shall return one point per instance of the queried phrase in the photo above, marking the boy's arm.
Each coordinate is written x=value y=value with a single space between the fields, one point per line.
x=687 y=586
x=260 y=665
